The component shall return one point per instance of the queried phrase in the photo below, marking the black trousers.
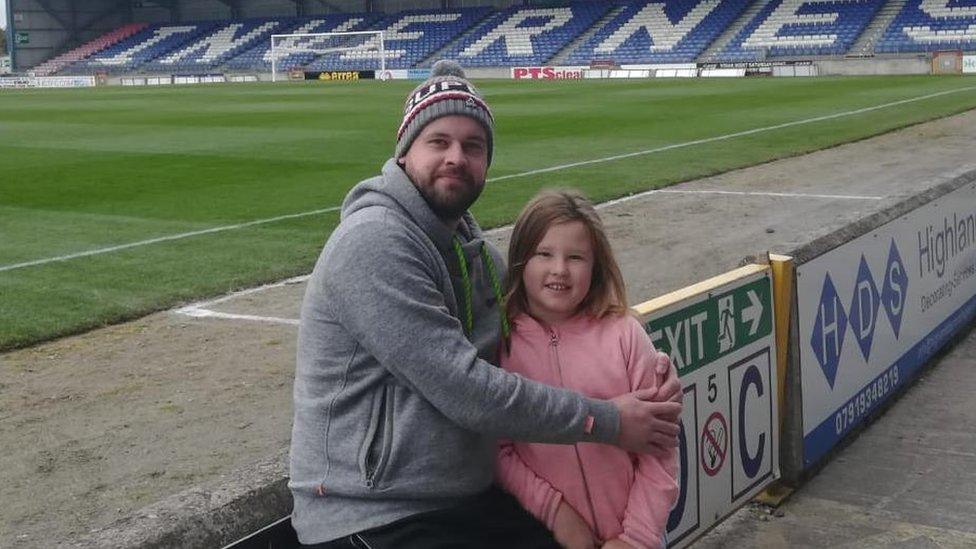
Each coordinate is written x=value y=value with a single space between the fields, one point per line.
x=491 y=520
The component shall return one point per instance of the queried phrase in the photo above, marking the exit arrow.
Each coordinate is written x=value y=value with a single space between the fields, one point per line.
x=753 y=313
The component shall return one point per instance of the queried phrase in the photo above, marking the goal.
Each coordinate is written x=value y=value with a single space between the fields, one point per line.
x=363 y=50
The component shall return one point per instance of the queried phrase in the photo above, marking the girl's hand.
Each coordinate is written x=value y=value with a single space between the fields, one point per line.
x=616 y=543
x=570 y=530
x=669 y=386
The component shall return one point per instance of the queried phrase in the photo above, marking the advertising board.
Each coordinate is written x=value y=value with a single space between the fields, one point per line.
x=969 y=63
x=339 y=75
x=721 y=339
x=199 y=78
x=547 y=73
x=403 y=74
x=872 y=311
x=47 y=82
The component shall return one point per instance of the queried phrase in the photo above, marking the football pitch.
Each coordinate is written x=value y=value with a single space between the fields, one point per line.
x=115 y=202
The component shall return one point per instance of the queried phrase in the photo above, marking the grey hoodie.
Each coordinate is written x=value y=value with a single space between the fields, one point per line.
x=396 y=409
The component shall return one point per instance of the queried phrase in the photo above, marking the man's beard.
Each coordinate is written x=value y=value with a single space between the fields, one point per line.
x=450 y=207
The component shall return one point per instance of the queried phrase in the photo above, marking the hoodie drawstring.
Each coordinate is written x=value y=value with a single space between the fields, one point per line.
x=496 y=287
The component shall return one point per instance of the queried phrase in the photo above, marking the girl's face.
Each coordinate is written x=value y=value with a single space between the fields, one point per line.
x=557 y=275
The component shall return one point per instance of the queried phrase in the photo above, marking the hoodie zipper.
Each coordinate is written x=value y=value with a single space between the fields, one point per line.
x=381 y=439
x=554 y=345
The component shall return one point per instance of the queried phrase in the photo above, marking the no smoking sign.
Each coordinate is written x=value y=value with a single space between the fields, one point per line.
x=714 y=444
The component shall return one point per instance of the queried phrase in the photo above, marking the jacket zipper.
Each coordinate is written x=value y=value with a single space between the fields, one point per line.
x=554 y=345
x=383 y=432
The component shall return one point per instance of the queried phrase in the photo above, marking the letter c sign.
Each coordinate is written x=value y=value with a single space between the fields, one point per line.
x=751 y=461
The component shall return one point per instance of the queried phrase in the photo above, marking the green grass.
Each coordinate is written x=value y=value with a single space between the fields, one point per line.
x=88 y=169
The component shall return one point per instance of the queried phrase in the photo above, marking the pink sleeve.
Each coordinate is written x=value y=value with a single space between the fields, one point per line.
x=655 y=488
x=535 y=493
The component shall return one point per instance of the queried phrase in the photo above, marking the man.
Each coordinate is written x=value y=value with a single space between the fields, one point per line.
x=397 y=401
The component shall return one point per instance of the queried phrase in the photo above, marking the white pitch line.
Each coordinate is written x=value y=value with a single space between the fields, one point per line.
x=205 y=313
x=733 y=135
x=753 y=131
x=168 y=238
x=739 y=193
x=780 y=195
x=239 y=293
x=200 y=310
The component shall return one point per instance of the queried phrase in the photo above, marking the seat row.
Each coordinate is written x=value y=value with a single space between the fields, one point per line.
x=625 y=31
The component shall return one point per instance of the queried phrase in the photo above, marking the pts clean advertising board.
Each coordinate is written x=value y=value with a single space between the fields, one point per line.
x=875 y=309
x=721 y=340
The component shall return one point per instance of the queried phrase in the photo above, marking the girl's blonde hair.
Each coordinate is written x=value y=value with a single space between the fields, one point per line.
x=607 y=295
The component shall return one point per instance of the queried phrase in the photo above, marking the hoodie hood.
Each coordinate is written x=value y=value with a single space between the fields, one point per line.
x=394 y=190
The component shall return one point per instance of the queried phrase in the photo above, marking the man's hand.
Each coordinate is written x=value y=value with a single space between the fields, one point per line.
x=617 y=543
x=570 y=530
x=647 y=426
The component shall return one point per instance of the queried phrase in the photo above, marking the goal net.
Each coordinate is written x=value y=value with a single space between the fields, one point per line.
x=352 y=50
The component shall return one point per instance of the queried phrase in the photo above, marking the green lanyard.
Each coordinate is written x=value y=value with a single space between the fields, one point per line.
x=496 y=287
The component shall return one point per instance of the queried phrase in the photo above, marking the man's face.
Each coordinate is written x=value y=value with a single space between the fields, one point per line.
x=447 y=163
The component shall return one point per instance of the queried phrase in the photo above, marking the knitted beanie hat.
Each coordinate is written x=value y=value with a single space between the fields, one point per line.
x=446 y=92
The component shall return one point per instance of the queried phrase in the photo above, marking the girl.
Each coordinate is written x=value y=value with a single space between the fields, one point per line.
x=571 y=328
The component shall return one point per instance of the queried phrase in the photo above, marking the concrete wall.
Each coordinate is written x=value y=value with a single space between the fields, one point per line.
x=55 y=26
x=874 y=66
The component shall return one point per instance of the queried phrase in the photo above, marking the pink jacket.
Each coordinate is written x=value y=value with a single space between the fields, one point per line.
x=619 y=494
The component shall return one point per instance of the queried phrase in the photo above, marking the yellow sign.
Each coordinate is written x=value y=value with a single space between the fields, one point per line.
x=339 y=75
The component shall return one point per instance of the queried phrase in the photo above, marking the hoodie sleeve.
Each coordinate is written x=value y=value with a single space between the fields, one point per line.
x=382 y=283
x=655 y=488
x=535 y=493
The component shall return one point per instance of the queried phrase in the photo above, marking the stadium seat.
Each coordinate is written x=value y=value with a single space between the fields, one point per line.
x=298 y=52
x=409 y=37
x=924 y=25
x=142 y=47
x=801 y=28
x=674 y=31
x=526 y=35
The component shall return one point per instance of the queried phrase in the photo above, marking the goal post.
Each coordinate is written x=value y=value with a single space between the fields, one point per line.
x=363 y=45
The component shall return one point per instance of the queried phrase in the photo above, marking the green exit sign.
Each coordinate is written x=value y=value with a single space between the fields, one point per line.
x=21 y=37
x=703 y=332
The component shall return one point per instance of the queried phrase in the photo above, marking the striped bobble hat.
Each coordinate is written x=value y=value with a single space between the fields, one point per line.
x=446 y=92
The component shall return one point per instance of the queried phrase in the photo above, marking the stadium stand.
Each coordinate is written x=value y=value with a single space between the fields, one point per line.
x=144 y=46
x=931 y=25
x=220 y=44
x=409 y=37
x=801 y=28
x=55 y=64
x=624 y=31
x=525 y=36
x=865 y=44
x=659 y=32
x=299 y=52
